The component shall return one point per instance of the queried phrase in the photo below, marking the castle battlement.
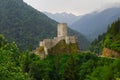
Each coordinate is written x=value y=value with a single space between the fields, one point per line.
x=62 y=31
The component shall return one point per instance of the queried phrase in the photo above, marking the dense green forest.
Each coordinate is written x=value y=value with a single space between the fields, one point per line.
x=97 y=44
x=26 y=26
x=16 y=65
x=110 y=39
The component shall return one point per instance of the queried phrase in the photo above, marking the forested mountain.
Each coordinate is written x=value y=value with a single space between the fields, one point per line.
x=26 y=26
x=108 y=43
x=112 y=40
x=96 y=23
x=63 y=17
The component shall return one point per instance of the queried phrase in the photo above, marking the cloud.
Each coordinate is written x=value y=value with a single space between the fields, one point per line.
x=71 y=6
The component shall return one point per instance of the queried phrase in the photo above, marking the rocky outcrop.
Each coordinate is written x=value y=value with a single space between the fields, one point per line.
x=110 y=53
x=63 y=48
x=63 y=43
x=60 y=48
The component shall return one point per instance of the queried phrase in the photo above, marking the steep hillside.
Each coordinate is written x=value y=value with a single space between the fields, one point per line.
x=108 y=43
x=26 y=26
x=63 y=17
x=96 y=23
x=110 y=53
x=23 y=24
x=112 y=38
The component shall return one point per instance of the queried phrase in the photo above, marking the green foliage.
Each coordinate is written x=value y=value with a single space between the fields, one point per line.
x=112 y=39
x=9 y=62
x=71 y=70
x=108 y=72
x=97 y=45
x=40 y=49
x=16 y=65
x=3 y=41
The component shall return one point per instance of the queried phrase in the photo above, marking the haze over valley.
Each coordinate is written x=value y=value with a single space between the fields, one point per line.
x=92 y=24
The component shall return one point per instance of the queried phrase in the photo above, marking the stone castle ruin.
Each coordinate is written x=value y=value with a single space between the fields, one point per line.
x=62 y=34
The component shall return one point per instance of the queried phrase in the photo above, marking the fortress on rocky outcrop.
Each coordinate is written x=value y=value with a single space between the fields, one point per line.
x=62 y=34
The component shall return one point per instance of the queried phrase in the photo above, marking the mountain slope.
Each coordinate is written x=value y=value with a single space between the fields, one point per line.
x=96 y=23
x=25 y=25
x=63 y=17
x=108 y=43
x=112 y=39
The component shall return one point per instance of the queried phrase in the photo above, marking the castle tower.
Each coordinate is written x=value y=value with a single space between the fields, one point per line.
x=62 y=30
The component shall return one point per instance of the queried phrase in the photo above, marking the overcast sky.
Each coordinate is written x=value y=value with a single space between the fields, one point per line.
x=77 y=7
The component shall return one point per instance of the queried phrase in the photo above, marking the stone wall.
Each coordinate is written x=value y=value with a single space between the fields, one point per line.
x=62 y=30
x=62 y=35
x=49 y=43
x=70 y=39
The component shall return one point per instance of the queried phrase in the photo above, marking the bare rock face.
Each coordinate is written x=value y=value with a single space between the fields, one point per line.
x=110 y=53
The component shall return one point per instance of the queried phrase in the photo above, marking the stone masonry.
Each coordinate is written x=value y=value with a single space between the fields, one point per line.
x=62 y=32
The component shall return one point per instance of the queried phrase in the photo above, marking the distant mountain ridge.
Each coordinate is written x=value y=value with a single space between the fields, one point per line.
x=96 y=23
x=26 y=26
x=68 y=18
